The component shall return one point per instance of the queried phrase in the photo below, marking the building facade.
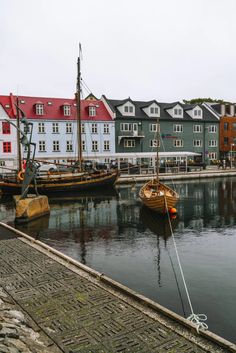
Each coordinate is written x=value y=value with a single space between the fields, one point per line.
x=192 y=128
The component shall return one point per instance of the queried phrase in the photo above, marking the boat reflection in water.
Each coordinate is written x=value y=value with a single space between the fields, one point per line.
x=157 y=223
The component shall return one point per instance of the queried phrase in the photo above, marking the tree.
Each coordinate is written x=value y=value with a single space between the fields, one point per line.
x=202 y=100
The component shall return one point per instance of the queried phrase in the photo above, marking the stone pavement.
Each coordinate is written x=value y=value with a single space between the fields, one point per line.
x=56 y=306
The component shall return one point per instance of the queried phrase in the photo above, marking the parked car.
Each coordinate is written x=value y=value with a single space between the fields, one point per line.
x=48 y=167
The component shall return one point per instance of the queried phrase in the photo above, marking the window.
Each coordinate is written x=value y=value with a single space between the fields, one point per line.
x=126 y=127
x=197 y=143
x=94 y=146
x=226 y=141
x=234 y=126
x=212 y=155
x=69 y=146
x=55 y=146
x=82 y=128
x=178 y=113
x=234 y=141
x=212 y=143
x=94 y=128
x=212 y=128
x=92 y=111
x=55 y=128
x=68 y=128
x=178 y=143
x=177 y=128
x=154 y=127
x=42 y=146
x=154 y=111
x=128 y=109
x=6 y=127
x=83 y=146
x=129 y=143
x=106 y=129
x=197 y=113
x=226 y=126
x=154 y=143
x=39 y=109
x=6 y=147
x=66 y=110
x=197 y=128
x=2 y=163
x=26 y=129
x=106 y=145
x=227 y=109
x=41 y=128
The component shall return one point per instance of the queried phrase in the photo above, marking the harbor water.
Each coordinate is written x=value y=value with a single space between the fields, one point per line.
x=114 y=234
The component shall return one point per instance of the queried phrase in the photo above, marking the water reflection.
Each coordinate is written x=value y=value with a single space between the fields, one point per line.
x=115 y=234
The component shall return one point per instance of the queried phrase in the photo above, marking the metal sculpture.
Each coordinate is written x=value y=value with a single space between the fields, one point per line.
x=28 y=176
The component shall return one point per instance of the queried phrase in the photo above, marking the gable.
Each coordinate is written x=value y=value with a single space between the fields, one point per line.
x=127 y=109
x=3 y=113
x=153 y=110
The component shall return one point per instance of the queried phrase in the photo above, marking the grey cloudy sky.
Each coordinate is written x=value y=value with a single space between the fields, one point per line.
x=155 y=49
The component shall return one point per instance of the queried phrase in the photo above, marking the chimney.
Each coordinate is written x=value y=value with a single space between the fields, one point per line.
x=222 y=110
x=231 y=109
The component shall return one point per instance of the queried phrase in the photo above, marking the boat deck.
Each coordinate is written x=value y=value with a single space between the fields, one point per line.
x=80 y=310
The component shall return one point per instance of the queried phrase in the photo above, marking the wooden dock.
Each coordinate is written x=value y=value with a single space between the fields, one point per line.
x=80 y=310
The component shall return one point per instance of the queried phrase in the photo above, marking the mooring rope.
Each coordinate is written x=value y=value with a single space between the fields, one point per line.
x=196 y=319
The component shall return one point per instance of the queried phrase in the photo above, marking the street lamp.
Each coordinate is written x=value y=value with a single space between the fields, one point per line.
x=231 y=154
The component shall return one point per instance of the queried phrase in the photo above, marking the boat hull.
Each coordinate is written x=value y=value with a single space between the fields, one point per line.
x=63 y=184
x=158 y=197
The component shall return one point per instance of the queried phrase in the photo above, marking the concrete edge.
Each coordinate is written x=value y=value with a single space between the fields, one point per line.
x=214 y=338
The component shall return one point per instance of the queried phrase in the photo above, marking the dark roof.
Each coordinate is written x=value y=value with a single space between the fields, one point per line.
x=164 y=114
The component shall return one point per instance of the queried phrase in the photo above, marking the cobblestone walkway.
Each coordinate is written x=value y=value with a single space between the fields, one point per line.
x=80 y=315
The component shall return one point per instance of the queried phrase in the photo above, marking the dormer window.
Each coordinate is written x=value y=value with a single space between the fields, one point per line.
x=92 y=111
x=128 y=109
x=178 y=113
x=154 y=111
x=197 y=113
x=66 y=109
x=39 y=108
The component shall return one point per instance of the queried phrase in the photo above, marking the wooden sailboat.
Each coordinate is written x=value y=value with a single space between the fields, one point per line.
x=156 y=195
x=78 y=181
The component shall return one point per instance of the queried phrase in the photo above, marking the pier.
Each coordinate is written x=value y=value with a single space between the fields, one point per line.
x=76 y=309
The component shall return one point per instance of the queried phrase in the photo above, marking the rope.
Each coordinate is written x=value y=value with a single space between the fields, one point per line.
x=194 y=318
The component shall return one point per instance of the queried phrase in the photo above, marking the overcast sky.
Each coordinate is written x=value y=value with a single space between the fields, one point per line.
x=166 y=50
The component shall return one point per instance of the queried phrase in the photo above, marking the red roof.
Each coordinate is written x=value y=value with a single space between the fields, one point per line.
x=53 y=108
x=8 y=106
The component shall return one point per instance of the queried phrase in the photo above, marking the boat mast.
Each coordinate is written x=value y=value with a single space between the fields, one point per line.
x=158 y=142
x=78 y=106
x=18 y=135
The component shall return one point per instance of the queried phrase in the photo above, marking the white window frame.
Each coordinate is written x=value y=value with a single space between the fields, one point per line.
x=55 y=128
x=94 y=146
x=39 y=109
x=154 y=127
x=106 y=128
x=154 y=111
x=106 y=145
x=42 y=146
x=178 y=143
x=69 y=146
x=197 y=143
x=92 y=111
x=68 y=128
x=67 y=110
x=94 y=128
x=212 y=143
x=178 y=128
x=128 y=143
x=197 y=129
x=212 y=129
x=41 y=128
x=177 y=112
x=154 y=143
x=82 y=128
x=56 y=146
x=197 y=113
x=126 y=127
x=212 y=156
